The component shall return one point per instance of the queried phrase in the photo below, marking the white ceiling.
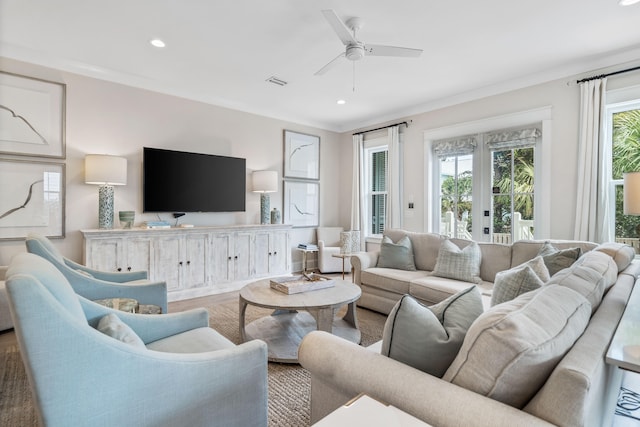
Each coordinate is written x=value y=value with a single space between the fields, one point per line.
x=222 y=51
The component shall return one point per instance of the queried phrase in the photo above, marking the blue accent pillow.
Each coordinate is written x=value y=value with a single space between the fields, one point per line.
x=396 y=255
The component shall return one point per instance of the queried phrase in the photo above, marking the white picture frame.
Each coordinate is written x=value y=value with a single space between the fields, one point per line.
x=33 y=199
x=301 y=156
x=301 y=203
x=32 y=117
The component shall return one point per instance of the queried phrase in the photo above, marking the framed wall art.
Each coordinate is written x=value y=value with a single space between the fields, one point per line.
x=301 y=155
x=301 y=203
x=32 y=116
x=33 y=199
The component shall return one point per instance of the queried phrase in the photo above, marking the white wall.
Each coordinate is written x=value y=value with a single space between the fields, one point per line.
x=110 y=118
x=564 y=100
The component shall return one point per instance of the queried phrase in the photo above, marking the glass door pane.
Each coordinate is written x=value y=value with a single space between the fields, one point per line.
x=456 y=187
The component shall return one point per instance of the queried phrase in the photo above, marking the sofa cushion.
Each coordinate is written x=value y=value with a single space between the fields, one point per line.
x=433 y=289
x=428 y=338
x=496 y=257
x=558 y=259
x=511 y=283
x=622 y=254
x=594 y=272
x=112 y=326
x=524 y=250
x=425 y=246
x=461 y=264
x=390 y=278
x=397 y=255
x=511 y=349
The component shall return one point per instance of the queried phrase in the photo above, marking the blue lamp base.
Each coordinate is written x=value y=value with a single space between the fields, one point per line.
x=265 y=215
x=105 y=207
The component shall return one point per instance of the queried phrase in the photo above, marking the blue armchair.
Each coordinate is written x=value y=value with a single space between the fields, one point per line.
x=181 y=373
x=94 y=284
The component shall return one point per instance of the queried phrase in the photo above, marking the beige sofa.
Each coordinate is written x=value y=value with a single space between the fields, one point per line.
x=383 y=287
x=580 y=390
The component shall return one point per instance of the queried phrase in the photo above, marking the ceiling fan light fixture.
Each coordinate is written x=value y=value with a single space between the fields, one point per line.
x=341 y=102
x=355 y=52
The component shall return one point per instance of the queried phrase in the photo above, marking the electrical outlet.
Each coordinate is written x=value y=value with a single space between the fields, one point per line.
x=486 y=230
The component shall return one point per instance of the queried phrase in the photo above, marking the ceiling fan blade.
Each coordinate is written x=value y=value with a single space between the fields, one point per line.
x=339 y=27
x=381 y=50
x=330 y=65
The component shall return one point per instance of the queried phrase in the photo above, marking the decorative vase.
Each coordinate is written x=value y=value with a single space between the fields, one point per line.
x=126 y=218
x=345 y=242
x=275 y=216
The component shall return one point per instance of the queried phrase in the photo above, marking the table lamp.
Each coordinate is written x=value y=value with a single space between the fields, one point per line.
x=631 y=194
x=105 y=171
x=264 y=182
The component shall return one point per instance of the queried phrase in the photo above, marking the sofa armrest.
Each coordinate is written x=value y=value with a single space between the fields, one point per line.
x=340 y=370
x=361 y=261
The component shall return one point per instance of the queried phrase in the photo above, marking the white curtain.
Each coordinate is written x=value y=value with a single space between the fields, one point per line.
x=394 y=189
x=357 y=189
x=593 y=215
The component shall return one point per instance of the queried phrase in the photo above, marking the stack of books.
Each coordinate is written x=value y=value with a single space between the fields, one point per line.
x=157 y=224
x=308 y=246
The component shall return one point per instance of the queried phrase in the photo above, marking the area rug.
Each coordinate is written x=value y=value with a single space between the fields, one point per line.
x=289 y=385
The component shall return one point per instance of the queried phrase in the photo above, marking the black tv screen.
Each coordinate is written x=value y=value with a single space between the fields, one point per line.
x=178 y=181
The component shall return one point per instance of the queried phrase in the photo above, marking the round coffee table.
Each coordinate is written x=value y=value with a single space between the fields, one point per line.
x=286 y=326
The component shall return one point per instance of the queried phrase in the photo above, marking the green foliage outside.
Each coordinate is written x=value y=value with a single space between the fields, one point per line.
x=626 y=158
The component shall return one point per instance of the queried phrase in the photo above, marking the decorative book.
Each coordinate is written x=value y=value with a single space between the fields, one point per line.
x=304 y=283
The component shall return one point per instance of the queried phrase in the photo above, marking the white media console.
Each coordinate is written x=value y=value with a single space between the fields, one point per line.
x=194 y=261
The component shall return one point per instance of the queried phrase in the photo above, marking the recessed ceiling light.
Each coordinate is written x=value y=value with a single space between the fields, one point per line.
x=627 y=2
x=341 y=102
x=157 y=43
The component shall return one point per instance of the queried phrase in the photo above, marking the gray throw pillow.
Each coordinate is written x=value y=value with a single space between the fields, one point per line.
x=396 y=255
x=429 y=338
x=112 y=326
x=521 y=279
x=558 y=259
x=459 y=264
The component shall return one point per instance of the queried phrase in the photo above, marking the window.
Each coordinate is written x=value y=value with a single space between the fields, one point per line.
x=456 y=194
x=376 y=179
x=512 y=194
x=622 y=131
x=484 y=183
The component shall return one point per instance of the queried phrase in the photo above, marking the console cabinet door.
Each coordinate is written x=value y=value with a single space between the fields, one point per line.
x=195 y=265
x=261 y=258
x=138 y=255
x=278 y=247
x=221 y=258
x=242 y=256
x=104 y=254
x=167 y=261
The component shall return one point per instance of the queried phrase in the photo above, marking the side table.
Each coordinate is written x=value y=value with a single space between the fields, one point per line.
x=305 y=252
x=624 y=349
x=364 y=410
x=343 y=256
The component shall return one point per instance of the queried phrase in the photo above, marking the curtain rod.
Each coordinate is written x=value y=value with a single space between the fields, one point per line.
x=383 y=127
x=601 y=76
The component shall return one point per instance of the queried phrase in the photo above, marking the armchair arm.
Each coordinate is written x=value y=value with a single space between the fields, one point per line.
x=149 y=327
x=108 y=276
x=93 y=289
x=340 y=370
x=361 y=261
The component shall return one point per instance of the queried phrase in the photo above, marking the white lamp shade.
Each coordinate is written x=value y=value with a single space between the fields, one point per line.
x=631 y=198
x=102 y=169
x=264 y=181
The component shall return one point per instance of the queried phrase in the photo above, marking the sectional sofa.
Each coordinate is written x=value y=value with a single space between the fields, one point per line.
x=501 y=376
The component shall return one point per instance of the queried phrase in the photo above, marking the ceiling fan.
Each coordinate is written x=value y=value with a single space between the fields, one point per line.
x=355 y=50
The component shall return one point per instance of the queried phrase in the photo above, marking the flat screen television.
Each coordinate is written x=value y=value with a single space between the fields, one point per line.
x=178 y=181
